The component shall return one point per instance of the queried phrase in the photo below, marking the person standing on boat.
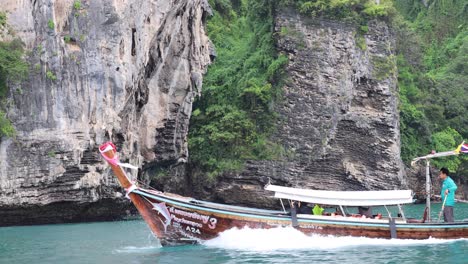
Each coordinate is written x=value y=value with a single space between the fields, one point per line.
x=448 y=189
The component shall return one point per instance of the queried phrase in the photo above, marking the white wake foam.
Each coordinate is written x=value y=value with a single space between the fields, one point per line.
x=282 y=238
x=132 y=249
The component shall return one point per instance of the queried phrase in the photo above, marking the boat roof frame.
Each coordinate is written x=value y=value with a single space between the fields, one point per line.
x=343 y=198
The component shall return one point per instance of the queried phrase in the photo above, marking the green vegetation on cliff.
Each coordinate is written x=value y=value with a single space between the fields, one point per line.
x=348 y=10
x=357 y=12
x=232 y=120
x=12 y=69
x=234 y=117
x=2 y=19
x=433 y=77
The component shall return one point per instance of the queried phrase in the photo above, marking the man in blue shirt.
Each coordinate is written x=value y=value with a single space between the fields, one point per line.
x=448 y=189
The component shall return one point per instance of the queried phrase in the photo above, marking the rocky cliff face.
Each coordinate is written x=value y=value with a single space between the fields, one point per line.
x=125 y=71
x=339 y=114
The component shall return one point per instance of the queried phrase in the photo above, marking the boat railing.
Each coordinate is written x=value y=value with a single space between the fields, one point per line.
x=349 y=218
x=214 y=205
x=237 y=208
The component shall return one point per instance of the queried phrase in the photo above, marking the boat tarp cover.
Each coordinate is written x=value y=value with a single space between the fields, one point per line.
x=345 y=198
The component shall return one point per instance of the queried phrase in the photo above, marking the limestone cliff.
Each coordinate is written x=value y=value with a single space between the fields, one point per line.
x=125 y=71
x=339 y=113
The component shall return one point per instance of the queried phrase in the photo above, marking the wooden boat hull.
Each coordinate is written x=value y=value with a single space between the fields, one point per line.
x=192 y=221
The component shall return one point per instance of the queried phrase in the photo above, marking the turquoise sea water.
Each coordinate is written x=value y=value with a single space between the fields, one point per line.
x=131 y=242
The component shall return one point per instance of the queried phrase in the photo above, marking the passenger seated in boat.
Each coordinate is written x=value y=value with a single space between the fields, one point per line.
x=303 y=208
x=337 y=213
x=317 y=210
x=300 y=208
x=365 y=210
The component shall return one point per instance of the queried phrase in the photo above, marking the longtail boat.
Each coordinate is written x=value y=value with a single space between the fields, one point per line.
x=176 y=219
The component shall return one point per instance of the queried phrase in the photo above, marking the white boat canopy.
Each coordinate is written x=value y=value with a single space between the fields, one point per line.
x=344 y=198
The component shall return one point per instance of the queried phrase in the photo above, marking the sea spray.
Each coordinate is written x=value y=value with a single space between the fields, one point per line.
x=288 y=238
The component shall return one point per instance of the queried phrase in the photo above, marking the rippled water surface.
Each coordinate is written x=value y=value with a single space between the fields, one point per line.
x=131 y=242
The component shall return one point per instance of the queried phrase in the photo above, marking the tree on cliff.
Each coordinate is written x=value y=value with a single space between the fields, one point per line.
x=433 y=72
x=12 y=69
x=234 y=116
